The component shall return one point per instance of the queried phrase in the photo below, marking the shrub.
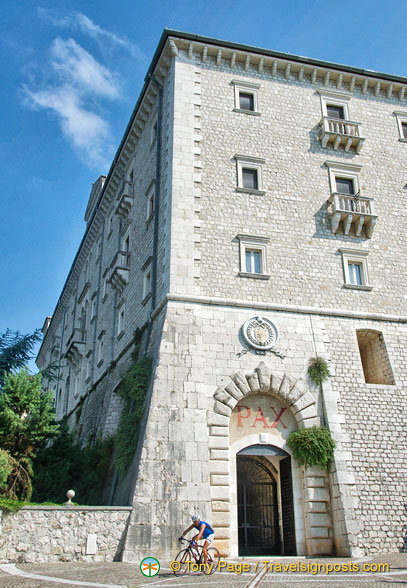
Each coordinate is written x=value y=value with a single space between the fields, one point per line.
x=313 y=446
x=318 y=370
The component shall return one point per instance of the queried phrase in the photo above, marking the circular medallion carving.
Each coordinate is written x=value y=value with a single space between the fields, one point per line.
x=260 y=333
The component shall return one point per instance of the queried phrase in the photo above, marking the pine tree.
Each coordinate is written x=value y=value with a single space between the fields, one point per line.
x=15 y=350
x=26 y=414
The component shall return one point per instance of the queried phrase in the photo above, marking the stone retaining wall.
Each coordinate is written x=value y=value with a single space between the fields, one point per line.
x=49 y=534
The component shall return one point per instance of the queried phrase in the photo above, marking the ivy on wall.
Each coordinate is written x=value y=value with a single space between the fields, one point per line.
x=313 y=446
x=133 y=389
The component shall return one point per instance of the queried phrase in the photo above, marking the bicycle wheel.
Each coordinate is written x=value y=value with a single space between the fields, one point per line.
x=183 y=558
x=213 y=560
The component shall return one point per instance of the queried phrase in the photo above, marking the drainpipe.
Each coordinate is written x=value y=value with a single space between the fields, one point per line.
x=156 y=212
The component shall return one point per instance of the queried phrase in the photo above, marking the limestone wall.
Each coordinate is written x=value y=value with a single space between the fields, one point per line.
x=50 y=534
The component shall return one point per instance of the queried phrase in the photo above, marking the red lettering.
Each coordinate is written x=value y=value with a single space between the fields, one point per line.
x=241 y=416
x=260 y=418
x=278 y=418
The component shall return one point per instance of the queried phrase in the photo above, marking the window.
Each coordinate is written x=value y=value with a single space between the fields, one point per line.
x=355 y=269
x=120 y=320
x=150 y=201
x=250 y=178
x=147 y=277
x=343 y=177
x=126 y=243
x=355 y=273
x=253 y=256
x=100 y=355
x=93 y=307
x=246 y=97
x=344 y=185
x=249 y=174
x=335 y=111
x=105 y=285
x=402 y=125
x=335 y=104
x=375 y=360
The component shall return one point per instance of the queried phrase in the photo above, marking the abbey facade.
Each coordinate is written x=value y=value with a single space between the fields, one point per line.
x=254 y=218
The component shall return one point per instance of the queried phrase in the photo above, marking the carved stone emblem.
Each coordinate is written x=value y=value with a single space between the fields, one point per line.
x=260 y=333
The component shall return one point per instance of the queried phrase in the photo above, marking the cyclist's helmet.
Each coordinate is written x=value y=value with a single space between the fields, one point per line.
x=195 y=517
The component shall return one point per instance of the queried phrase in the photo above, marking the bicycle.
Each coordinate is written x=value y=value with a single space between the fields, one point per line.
x=195 y=552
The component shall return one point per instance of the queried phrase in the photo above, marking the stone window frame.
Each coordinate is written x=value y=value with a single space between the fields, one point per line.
x=121 y=317
x=244 y=87
x=105 y=284
x=252 y=163
x=150 y=194
x=401 y=118
x=355 y=256
x=341 y=99
x=253 y=243
x=100 y=355
x=147 y=279
x=348 y=171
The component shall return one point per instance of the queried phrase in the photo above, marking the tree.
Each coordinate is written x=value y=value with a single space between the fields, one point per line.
x=26 y=414
x=26 y=421
x=15 y=350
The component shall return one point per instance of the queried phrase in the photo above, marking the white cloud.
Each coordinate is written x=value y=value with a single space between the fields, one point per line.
x=86 y=130
x=78 y=67
x=79 y=21
x=77 y=79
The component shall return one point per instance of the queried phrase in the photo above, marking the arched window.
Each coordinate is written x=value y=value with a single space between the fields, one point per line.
x=374 y=357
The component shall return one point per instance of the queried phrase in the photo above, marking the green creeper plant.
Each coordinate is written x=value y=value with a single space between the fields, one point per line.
x=133 y=389
x=312 y=446
x=318 y=370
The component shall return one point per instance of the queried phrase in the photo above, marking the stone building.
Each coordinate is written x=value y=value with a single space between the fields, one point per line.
x=253 y=217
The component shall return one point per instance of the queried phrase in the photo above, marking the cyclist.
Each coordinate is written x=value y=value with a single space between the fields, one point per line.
x=205 y=532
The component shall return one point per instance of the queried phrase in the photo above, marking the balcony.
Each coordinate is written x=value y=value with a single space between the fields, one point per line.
x=75 y=347
x=352 y=210
x=337 y=133
x=126 y=199
x=120 y=270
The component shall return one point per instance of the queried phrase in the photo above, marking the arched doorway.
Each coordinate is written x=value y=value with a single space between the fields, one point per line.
x=265 y=506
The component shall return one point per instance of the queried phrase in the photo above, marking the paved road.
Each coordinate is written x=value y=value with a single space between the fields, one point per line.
x=281 y=572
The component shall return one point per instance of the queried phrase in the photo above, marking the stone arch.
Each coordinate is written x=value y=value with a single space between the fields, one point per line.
x=221 y=455
x=262 y=380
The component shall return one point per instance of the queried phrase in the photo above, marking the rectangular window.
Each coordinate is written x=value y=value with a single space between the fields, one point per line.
x=120 y=319
x=253 y=256
x=246 y=97
x=355 y=273
x=250 y=179
x=147 y=279
x=249 y=174
x=246 y=101
x=344 y=186
x=355 y=269
x=334 y=111
x=401 y=118
x=253 y=261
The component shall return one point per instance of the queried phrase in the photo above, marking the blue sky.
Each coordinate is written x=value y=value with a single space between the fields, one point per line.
x=71 y=74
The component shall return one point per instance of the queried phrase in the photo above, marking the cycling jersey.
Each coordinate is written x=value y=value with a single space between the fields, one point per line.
x=207 y=531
